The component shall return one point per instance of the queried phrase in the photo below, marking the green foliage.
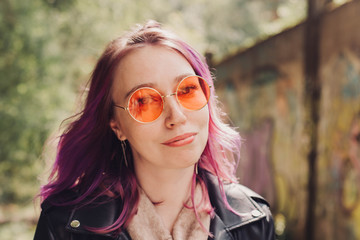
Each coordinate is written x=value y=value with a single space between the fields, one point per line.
x=21 y=120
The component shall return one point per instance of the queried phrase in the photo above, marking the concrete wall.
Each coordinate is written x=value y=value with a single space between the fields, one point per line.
x=262 y=90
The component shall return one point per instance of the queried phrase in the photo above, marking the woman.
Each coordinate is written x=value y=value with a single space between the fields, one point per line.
x=149 y=156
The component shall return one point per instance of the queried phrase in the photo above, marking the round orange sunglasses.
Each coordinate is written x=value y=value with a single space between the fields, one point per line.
x=146 y=104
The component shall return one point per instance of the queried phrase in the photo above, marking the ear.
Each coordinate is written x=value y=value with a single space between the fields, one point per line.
x=115 y=126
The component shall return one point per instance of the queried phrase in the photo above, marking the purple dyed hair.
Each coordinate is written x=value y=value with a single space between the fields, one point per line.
x=89 y=157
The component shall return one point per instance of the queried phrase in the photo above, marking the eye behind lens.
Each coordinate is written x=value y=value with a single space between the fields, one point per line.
x=145 y=105
x=193 y=93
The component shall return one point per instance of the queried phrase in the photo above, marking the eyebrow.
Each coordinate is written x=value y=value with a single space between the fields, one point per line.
x=137 y=87
x=152 y=85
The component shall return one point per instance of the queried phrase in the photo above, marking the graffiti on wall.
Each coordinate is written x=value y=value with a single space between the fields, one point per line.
x=256 y=168
x=266 y=109
x=340 y=138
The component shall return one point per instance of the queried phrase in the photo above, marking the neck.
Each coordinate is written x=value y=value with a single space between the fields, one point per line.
x=169 y=188
x=165 y=185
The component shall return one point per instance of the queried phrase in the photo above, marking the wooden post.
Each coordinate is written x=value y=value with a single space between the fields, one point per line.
x=312 y=103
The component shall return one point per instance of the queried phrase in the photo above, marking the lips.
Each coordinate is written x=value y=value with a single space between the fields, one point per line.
x=180 y=140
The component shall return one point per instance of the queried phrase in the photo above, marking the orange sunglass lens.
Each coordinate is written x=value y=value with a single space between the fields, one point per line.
x=145 y=105
x=193 y=93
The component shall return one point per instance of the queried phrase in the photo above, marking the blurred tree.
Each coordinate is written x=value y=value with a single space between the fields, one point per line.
x=25 y=97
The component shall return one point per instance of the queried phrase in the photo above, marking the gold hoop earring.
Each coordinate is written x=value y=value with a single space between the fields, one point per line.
x=196 y=168
x=123 y=146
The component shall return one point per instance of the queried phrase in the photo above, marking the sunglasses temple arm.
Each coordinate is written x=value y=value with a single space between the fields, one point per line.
x=120 y=107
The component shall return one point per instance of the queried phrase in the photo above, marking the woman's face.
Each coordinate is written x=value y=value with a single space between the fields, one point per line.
x=178 y=137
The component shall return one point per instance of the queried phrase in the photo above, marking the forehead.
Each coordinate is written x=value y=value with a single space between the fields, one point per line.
x=155 y=65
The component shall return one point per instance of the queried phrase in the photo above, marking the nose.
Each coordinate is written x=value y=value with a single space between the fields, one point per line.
x=173 y=111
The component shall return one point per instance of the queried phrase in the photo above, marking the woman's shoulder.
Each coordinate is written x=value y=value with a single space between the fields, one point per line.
x=58 y=200
x=54 y=217
x=234 y=191
x=249 y=213
x=238 y=191
x=61 y=219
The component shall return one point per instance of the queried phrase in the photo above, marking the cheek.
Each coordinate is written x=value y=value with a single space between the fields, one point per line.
x=133 y=133
x=140 y=136
x=203 y=117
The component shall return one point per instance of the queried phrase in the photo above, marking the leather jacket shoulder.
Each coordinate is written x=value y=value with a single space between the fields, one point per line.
x=252 y=219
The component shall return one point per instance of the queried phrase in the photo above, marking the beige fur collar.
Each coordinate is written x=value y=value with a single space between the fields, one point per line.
x=147 y=224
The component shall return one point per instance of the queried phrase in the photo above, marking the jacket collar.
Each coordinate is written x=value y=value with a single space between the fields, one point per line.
x=240 y=198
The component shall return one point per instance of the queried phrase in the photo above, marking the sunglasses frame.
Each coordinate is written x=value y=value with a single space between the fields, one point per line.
x=162 y=99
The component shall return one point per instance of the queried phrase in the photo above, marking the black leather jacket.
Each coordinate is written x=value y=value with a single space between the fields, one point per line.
x=255 y=221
